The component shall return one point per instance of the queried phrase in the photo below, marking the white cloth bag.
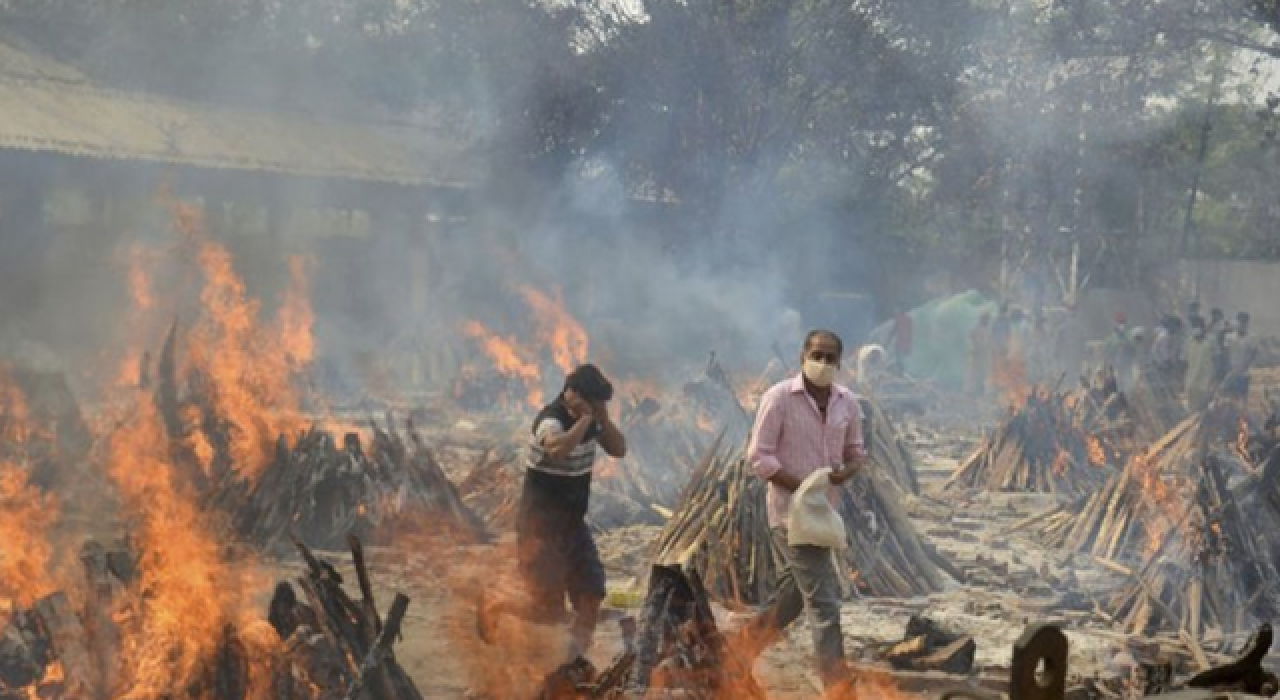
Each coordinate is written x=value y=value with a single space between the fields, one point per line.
x=812 y=520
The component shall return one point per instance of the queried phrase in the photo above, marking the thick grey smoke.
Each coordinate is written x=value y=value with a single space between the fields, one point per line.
x=656 y=287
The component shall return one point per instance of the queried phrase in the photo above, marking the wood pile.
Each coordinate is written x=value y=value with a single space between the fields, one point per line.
x=1046 y=445
x=324 y=491
x=663 y=448
x=336 y=641
x=69 y=644
x=889 y=453
x=1207 y=573
x=1261 y=492
x=1115 y=522
x=492 y=486
x=721 y=531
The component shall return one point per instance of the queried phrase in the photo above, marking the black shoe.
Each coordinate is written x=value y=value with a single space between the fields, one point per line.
x=581 y=670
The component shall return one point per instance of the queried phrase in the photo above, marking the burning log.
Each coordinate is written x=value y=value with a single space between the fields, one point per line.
x=325 y=492
x=319 y=489
x=350 y=632
x=1045 y=446
x=679 y=647
x=1119 y=519
x=721 y=532
x=1206 y=572
x=56 y=648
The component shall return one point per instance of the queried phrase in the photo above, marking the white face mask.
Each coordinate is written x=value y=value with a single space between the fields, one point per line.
x=820 y=373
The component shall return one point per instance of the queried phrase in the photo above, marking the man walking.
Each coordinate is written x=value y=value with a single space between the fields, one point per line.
x=804 y=424
x=557 y=554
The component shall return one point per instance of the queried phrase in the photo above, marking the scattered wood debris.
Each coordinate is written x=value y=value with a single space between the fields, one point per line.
x=928 y=646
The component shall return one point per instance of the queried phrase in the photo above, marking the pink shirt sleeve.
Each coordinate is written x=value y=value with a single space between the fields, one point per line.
x=762 y=451
x=854 y=446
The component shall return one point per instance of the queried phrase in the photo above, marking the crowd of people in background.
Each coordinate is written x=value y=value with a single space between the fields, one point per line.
x=1200 y=358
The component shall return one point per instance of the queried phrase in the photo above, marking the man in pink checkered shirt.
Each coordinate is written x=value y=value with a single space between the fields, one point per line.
x=803 y=424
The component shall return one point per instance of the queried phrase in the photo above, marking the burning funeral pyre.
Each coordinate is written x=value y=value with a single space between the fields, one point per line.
x=174 y=607
x=1119 y=520
x=1046 y=445
x=300 y=477
x=1195 y=561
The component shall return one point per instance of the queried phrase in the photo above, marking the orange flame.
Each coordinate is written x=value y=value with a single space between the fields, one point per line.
x=1161 y=501
x=1097 y=454
x=558 y=328
x=249 y=369
x=191 y=595
x=296 y=317
x=26 y=518
x=1061 y=462
x=27 y=515
x=509 y=358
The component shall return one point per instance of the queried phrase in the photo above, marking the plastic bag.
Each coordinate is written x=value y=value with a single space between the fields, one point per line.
x=813 y=520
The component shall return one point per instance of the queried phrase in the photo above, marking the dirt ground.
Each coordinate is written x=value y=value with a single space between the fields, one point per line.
x=1010 y=584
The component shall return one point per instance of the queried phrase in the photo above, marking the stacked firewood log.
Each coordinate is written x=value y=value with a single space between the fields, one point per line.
x=491 y=487
x=721 y=531
x=324 y=491
x=1209 y=571
x=1045 y=446
x=321 y=489
x=1117 y=520
x=888 y=452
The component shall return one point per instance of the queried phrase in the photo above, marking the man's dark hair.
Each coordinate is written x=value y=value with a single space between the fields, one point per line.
x=1216 y=314
x=820 y=333
x=589 y=383
x=1197 y=323
x=1243 y=317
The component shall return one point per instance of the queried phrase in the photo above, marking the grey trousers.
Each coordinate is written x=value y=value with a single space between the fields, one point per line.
x=809 y=582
